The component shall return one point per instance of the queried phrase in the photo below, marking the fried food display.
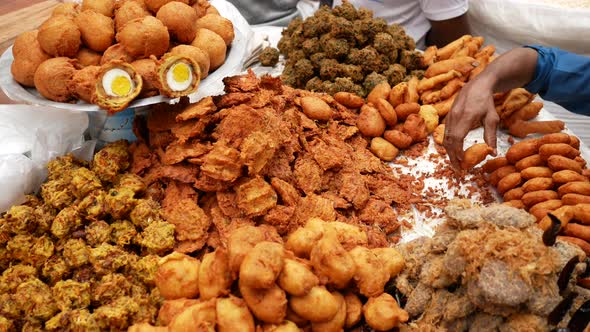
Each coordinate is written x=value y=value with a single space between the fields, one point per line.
x=59 y=36
x=87 y=57
x=53 y=79
x=97 y=30
x=104 y=7
x=71 y=260
x=144 y=37
x=28 y=55
x=180 y=20
x=117 y=85
x=213 y=44
x=148 y=69
x=126 y=11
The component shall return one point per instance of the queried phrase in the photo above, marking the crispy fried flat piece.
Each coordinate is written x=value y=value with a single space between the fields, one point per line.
x=327 y=156
x=339 y=202
x=228 y=203
x=271 y=83
x=380 y=214
x=387 y=188
x=177 y=152
x=261 y=99
x=177 y=191
x=233 y=99
x=191 y=224
x=142 y=158
x=314 y=206
x=308 y=175
x=222 y=162
x=255 y=197
x=208 y=184
x=288 y=194
x=161 y=118
x=242 y=83
x=243 y=120
x=354 y=189
x=281 y=218
x=189 y=129
x=182 y=172
x=198 y=110
x=279 y=166
x=160 y=139
x=256 y=150
x=366 y=162
x=341 y=132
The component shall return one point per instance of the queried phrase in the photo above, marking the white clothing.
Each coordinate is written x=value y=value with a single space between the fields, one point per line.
x=413 y=15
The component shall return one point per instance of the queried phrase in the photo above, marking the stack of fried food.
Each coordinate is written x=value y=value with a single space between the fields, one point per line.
x=491 y=269
x=109 y=52
x=346 y=50
x=251 y=156
x=314 y=280
x=546 y=175
x=83 y=255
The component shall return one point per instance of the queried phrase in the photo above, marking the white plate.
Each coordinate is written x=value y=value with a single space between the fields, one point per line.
x=211 y=85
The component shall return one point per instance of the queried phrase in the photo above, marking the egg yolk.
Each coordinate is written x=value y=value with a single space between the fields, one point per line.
x=180 y=72
x=121 y=86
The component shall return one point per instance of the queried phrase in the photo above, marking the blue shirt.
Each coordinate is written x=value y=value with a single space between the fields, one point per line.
x=563 y=78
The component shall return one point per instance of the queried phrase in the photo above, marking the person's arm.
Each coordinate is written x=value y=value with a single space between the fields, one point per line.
x=443 y=32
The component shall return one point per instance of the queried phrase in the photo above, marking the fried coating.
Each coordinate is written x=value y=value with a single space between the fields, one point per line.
x=53 y=79
x=107 y=258
x=70 y=294
x=331 y=262
x=28 y=55
x=191 y=224
x=319 y=305
x=35 y=299
x=69 y=9
x=199 y=55
x=233 y=315
x=83 y=83
x=97 y=30
x=104 y=7
x=178 y=276
x=370 y=276
x=255 y=197
x=383 y=313
x=155 y=5
x=116 y=52
x=269 y=57
x=262 y=265
x=214 y=274
x=222 y=163
x=213 y=44
x=171 y=309
x=242 y=239
x=144 y=37
x=220 y=25
x=111 y=160
x=522 y=149
x=180 y=19
x=59 y=36
x=127 y=11
x=268 y=305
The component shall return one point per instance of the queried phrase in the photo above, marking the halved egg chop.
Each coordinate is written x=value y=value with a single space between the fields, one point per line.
x=178 y=75
x=117 y=85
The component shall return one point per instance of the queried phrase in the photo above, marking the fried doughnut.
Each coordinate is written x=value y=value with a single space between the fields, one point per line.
x=510 y=181
x=577 y=230
x=562 y=149
x=559 y=163
x=576 y=187
x=536 y=172
x=530 y=161
x=567 y=175
x=493 y=164
x=522 y=150
x=500 y=173
x=513 y=194
x=535 y=184
x=584 y=245
x=555 y=138
x=565 y=214
x=535 y=197
x=575 y=199
x=582 y=213
x=517 y=203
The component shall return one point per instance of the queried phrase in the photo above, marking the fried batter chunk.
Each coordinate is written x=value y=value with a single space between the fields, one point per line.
x=56 y=193
x=255 y=197
x=122 y=232
x=115 y=315
x=257 y=150
x=378 y=213
x=119 y=202
x=110 y=287
x=19 y=247
x=97 y=232
x=14 y=276
x=222 y=163
x=60 y=167
x=308 y=175
x=69 y=294
x=191 y=223
x=41 y=251
x=65 y=222
x=93 y=205
x=21 y=219
x=107 y=258
x=145 y=212
x=111 y=160
x=55 y=269
x=35 y=299
x=84 y=181
x=76 y=253
x=145 y=269
x=157 y=237
x=132 y=182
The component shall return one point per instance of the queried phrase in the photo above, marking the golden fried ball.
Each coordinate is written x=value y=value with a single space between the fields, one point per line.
x=128 y=11
x=201 y=7
x=59 y=36
x=116 y=52
x=116 y=86
x=144 y=37
x=88 y=57
x=148 y=70
x=180 y=19
x=69 y=9
x=98 y=31
x=220 y=25
x=53 y=79
x=198 y=55
x=83 y=84
x=155 y=5
x=212 y=10
x=28 y=55
x=213 y=44
x=105 y=7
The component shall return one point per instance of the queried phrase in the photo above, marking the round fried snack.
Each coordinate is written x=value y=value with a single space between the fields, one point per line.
x=513 y=194
x=575 y=199
x=28 y=55
x=214 y=275
x=522 y=150
x=155 y=5
x=69 y=9
x=128 y=11
x=98 y=31
x=180 y=19
x=104 y=7
x=88 y=57
x=220 y=25
x=178 y=76
x=567 y=175
x=286 y=326
x=144 y=36
x=370 y=277
x=302 y=240
x=318 y=305
x=562 y=149
x=233 y=315
x=262 y=265
x=53 y=79
x=268 y=305
x=530 y=161
x=148 y=69
x=178 y=276
x=117 y=85
x=83 y=83
x=333 y=265
x=383 y=313
x=354 y=309
x=517 y=204
x=59 y=36
x=200 y=314
x=116 y=52
x=296 y=278
x=576 y=187
x=559 y=163
x=536 y=172
x=171 y=309
x=336 y=324
x=370 y=122
x=213 y=44
x=198 y=55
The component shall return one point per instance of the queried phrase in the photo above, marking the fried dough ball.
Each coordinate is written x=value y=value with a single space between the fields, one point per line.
x=87 y=57
x=214 y=274
x=198 y=55
x=262 y=265
x=28 y=55
x=178 y=276
x=144 y=37
x=53 y=79
x=104 y=7
x=319 y=305
x=98 y=31
x=296 y=278
x=155 y=5
x=220 y=25
x=201 y=315
x=233 y=315
x=336 y=324
x=83 y=83
x=116 y=52
x=370 y=276
x=331 y=262
x=268 y=305
x=128 y=11
x=69 y=9
x=148 y=70
x=383 y=313
x=60 y=36
x=171 y=309
x=180 y=19
x=201 y=7
x=213 y=44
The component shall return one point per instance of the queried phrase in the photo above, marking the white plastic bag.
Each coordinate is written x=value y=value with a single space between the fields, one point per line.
x=30 y=136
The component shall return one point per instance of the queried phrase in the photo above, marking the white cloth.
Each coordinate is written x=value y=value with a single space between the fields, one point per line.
x=413 y=15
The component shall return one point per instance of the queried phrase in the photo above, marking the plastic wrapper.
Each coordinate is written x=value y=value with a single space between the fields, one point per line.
x=30 y=136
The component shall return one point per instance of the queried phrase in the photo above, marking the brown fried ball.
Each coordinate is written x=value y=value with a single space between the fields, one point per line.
x=28 y=55
x=201 y=7
x=155 y=5
x=59 y=36
x=220 y=25
x=180 y=19
x=116 y=52
x=98 y=31
x=148 y=70
x=212 y=10
x=83 y=83
x=198 y=55
x=69 y=9
x=144 y=37
x=213 y=44
x=53 y=79
x=129 y=10
x=88 y=57
x=105 y=7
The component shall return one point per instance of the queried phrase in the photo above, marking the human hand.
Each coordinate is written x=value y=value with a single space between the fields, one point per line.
x=473 y=105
